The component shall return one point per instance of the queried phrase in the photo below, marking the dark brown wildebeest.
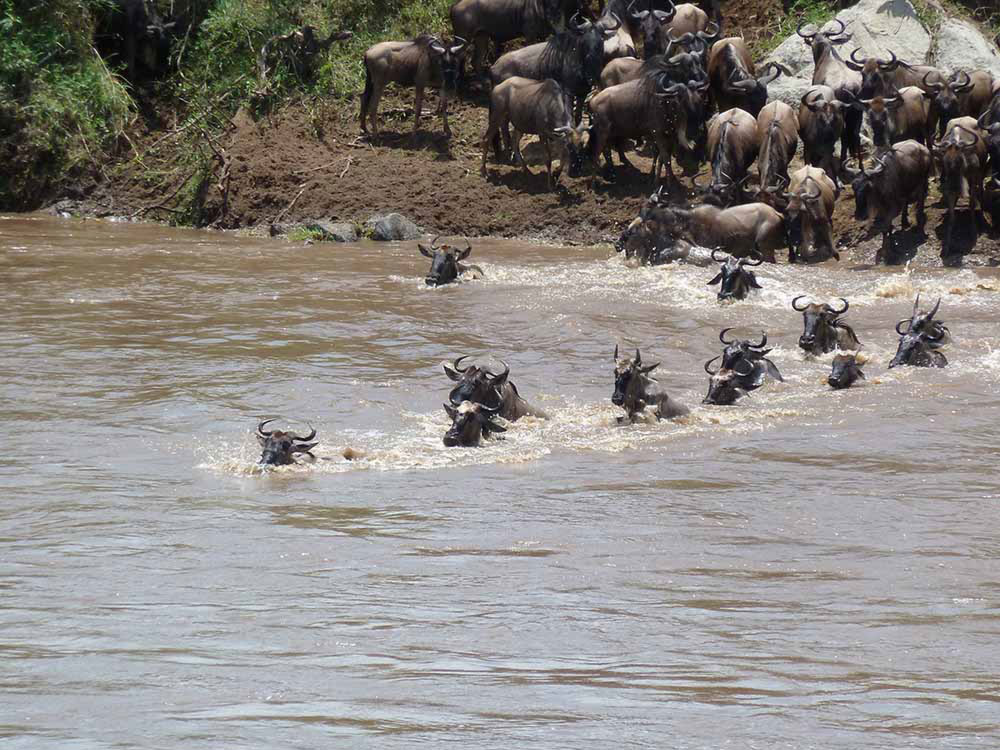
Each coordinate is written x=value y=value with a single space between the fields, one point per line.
x=845 y=371
x=649 y=22
x=921 y=338
x=885 y=77
x=279 y=448
x=732 y=149
x=809 y=214
x=542 y=108
x=744 y=349
x=905 y=116
x=470 y=423
x=446 y=263
x=574 y=58
x=778 y=133
x=744 y=368
x=960 y=95
x=620 y=16
x=831 y=70
x=821 y=123
x=425 y=61
x=734 y=280
x=636 y=392
x=734 y=77
x=740 y=230
x=651 y=106
x=502 y=21
x=134 y=32
x=822 y=329
x=900 y=177
x=961 y=155
x=481 y=386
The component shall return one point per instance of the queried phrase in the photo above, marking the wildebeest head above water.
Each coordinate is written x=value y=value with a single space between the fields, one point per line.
x=635 y=391
x=476 y=384
x=727 y=385
x=822 y=329
x=920 y=339
x=738 y=350
x=279 y=448
x=735 y=281
x=446 y=265
x=470 y=422
x=845 y=371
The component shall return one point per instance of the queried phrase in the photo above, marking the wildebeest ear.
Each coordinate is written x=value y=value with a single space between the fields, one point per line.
x=451 y=372
x=424 y=250
x=650 y=368
x=452 y=411
x=463 y=254
x=772 y=370
x=304 y=447
x=716 y=280
x=437 y=48
x=753 y=281
x=494 y=427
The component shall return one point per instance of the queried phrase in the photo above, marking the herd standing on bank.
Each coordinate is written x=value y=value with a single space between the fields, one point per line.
x=661 y=76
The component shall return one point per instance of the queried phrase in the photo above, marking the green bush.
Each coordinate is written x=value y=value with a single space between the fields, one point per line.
x=59 y=104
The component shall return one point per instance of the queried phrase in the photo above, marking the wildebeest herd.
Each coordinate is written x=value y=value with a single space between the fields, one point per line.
x=660 y=78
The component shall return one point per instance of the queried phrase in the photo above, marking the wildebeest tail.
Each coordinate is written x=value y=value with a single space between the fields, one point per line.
x=366 y=95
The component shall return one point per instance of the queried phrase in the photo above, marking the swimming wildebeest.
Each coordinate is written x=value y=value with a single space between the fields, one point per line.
x=809 y=213
x=635 y=391
x=736 y=282
x=495 y=391
x=845 y=371
x=900 y=177
x=280 y=448
x=727 y=385
x=919 y=341
x=425 y=61
x=470 y=422
x=831 y=70
x=739 y=350
x=446 y=265
x=543 y=108
x=822 y=329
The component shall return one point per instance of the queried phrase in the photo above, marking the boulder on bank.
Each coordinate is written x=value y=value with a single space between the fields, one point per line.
x=392 y=228
x=333 y=231
x=960 y=46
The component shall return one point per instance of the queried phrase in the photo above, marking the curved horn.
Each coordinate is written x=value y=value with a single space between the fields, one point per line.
x=456 y=368
x=503 y=375
x=260 y=428
x=798 y=30
x=722 y=336
x=762 y=344
x=754 y=256
x=772 y=76
x=931 y=337
x=960 y=88
x=935 y=87
x=841 y=30
x=899 y=325
x=706 y=34
x=812 y=196
x=435 y=241
x=854 y=58
x=578 y=27
x=683 y=39
x=307 y=438
x=916 y=304
x=976 y=138
x=707 y=369
x=618 y=24
x=795 y=306
x=746 y=362
x=892 y=64
x=847 y=306
x=638 y=358
x=932 y=313
x=714 y=251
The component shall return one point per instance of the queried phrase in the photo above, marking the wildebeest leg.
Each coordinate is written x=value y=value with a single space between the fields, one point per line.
x=548 y=159
x=418 y=102
x=921 y=200
x=443 y=110
x=950 y=225
x=621 y=155
x=376 y=96
x=905 y=216
x=516 y=143
x=850 y=139
x=478 y=53
x=665 y=152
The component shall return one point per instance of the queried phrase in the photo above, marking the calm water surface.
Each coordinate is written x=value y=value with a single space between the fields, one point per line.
x=808 y=569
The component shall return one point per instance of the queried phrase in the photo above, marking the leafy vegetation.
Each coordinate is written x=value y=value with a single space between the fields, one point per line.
x=811 y=11
x=59 y=104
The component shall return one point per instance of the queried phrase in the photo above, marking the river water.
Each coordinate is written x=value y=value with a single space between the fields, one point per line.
x=807 y=569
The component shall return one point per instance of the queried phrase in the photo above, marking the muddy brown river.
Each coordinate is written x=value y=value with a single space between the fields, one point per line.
x=807 y=569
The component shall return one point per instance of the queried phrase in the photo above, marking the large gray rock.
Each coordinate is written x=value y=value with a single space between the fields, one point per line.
x=392 y=228
x=960 y=46
x=334 y=231
x=876 y=26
